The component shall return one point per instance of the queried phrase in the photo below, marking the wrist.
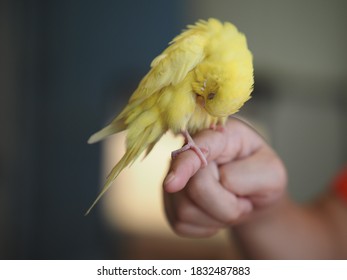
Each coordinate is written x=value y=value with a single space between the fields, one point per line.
x=265 y=214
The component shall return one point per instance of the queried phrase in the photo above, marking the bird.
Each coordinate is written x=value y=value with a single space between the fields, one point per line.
x=202 y=77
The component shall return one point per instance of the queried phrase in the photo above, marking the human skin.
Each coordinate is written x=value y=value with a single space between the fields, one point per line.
x=244 y=188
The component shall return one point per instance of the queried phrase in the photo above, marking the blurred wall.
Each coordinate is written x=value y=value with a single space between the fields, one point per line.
x=65 y=66
x=305 y=37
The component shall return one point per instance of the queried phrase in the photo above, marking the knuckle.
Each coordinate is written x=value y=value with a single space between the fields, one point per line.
x=279 y=178
x=282 y=175
x=231 y=217
x=179 y=229
x=185 y=230
x=225 y=179
x=182 y=231
x=195 y=189
x=182 y=213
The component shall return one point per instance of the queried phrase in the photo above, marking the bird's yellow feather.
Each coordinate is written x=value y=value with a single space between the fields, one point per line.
x=202 y=77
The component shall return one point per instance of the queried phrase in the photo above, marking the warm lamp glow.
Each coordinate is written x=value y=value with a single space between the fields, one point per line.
x=134 y=202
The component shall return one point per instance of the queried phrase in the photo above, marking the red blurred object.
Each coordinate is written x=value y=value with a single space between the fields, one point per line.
x=340 y=184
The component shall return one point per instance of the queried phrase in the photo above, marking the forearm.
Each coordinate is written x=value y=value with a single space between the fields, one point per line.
x=288 y=231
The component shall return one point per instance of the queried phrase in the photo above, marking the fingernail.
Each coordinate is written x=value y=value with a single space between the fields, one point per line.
x=169 y=178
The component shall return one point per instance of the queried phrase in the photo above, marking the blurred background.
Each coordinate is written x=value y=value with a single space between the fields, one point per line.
x=67 y=67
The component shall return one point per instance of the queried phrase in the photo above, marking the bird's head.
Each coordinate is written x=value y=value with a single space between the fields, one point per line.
x=223 y=95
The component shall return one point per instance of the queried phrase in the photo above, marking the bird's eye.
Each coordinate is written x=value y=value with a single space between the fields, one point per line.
x=211 y=95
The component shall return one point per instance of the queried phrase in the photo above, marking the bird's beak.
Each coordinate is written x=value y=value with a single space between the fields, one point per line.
x=200 y=100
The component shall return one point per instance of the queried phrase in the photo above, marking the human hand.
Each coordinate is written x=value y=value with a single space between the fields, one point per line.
x=243 y=176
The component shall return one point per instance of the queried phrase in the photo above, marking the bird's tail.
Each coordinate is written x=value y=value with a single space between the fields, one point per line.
x=146 y=140
x=115 y=126
x=110 y=178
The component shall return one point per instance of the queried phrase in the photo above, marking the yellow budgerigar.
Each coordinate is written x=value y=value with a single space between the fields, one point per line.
x=202 y=77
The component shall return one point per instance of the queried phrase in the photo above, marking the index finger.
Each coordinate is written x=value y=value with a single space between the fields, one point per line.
x=221 y=145
x=233 y=141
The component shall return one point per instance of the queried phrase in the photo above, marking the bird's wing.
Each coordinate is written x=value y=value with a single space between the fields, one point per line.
x=172 y=66
x=182 y=55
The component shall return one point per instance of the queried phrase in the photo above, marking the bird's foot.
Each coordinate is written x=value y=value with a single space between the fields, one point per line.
x=190 y=145
x=217 y=127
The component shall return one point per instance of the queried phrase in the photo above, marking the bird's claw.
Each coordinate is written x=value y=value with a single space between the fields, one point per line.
x=190 y=145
